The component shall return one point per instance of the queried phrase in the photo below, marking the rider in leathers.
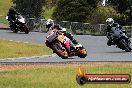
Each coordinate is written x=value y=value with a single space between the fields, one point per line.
x=50 y=25
x=110 y=23
x=12 y=16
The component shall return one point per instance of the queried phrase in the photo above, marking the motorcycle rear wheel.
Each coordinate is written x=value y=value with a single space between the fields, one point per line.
x=14 y=30
x=82 y=53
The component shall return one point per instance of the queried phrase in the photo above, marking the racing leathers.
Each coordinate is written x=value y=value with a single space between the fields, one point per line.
x=108 y=30
x=12 y=16
x=58 y=28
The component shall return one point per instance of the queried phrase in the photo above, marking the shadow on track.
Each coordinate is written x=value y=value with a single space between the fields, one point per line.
x=73 y=58
x=117 y=52
x=16 y=33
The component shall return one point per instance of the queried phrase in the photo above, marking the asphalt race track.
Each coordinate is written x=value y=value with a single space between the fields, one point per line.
x=96 y=46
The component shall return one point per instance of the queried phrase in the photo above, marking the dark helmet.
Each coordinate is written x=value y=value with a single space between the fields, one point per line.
x=58 y=27
x=12 y=9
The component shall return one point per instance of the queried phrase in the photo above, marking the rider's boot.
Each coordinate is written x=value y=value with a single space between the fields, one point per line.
x=109 y=43
x=74 y=42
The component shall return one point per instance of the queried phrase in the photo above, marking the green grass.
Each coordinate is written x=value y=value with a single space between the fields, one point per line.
x=3 y=20
x=59 y=77
x=4 y=6
x=9 y=49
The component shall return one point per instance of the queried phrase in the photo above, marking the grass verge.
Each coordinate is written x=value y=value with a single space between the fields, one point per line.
x=4 y=6
x=3 y=20
x=58 y=75
x=10 y=49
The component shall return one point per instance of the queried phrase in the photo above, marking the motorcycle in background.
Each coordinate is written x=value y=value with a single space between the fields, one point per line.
x=119 y=39
x=19 y=24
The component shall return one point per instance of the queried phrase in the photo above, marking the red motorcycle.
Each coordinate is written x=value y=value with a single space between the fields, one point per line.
x=60 y=45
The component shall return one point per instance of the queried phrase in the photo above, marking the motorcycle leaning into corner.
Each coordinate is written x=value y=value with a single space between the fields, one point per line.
x=61 y=44
x=118 y=38
x=19 y=24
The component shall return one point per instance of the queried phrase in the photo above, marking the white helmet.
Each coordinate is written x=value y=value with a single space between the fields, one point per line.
x=64 y=29
x=49 y=23
x=109 y=21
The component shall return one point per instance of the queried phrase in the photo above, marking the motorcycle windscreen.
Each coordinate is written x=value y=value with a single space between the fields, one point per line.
x=22 y=20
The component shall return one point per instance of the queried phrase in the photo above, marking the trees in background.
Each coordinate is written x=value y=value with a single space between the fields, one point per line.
x=92 y=12
x=121 y=5
x=125 y=8
x=74 y=10
x=50 y=3
x=30 y=8
x=101 y=14
x=78 y=10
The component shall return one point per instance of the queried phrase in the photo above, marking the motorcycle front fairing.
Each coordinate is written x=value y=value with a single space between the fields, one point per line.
x=21 y=19
x=51 y=36
x=116 y=34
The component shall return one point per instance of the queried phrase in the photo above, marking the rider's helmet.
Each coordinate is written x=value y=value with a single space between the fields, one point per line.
x=109 y=21
x=64 y=29
x=58 y=27
x=12 y=10
x=49 y=23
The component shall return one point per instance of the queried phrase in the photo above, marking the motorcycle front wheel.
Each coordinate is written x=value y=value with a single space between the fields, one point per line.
x=13 y=29
x=125 y=46
x=60 y=51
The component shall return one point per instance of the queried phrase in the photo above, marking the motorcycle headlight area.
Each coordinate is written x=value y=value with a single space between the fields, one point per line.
x=22 y=20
